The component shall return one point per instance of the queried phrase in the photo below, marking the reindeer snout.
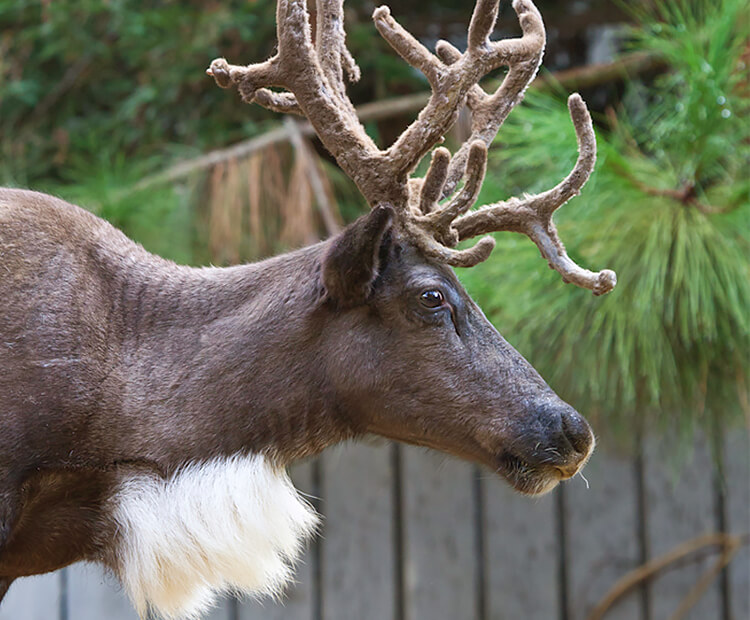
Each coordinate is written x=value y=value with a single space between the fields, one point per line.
x=577 y=431
x=554 y=445
x=566 y=439
x=551 y=443
x=578 y=435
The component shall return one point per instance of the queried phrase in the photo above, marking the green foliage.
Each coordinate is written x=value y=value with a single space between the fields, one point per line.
x=118 y=75
x=670 y=346
x=692 y=125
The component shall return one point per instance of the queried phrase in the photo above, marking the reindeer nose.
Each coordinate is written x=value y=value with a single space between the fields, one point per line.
x=578 y=434
x=577 y=431
x=567 y=440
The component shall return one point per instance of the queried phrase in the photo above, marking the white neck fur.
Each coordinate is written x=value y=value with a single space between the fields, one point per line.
x=227 y=525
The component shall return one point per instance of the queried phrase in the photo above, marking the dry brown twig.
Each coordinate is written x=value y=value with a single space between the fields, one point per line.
x=312 y=73
x=727 y=545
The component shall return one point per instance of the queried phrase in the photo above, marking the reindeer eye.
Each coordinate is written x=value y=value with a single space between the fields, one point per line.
x=431 y=299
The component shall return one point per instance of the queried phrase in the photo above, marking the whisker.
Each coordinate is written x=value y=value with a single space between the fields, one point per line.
x=580 y=473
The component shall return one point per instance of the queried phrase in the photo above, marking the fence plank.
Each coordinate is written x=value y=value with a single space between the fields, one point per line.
x=357 y=549
x=439 y=537
x=680 y=506
x=737 y=471
x=32 y=598
x=299 y=598
x=94 y=594
x=602 y=534
x=522 y=551
x=222 y=611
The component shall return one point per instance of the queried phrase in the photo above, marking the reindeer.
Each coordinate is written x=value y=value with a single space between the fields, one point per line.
x=149 y=410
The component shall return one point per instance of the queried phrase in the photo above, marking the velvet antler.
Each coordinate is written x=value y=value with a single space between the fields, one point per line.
x=313 y=75
x=532 y=215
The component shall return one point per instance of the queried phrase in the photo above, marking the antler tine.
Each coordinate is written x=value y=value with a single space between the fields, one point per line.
x=452 y=81
x=314 y=76
x=431 y=229
x=439 y=219
x=432 y=187
x=330 y=45
x=490 y=111
x=406 y=46
x=482 y=22
x=470 y=257
x=532 y=215
x=277 y=102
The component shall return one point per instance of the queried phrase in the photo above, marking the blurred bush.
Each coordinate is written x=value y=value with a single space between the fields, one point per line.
x=86 y=80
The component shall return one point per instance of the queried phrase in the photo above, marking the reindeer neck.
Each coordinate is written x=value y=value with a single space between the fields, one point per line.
x=225 y=361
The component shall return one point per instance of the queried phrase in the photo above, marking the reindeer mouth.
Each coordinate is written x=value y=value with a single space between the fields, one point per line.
x=526 y=477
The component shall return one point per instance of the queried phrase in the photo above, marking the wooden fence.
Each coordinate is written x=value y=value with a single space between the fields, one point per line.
x=413 y=535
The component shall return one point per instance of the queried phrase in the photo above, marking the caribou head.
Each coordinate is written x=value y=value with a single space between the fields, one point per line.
x=436 y=372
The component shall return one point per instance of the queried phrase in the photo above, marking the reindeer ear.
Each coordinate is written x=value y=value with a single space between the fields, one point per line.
x=352 y=261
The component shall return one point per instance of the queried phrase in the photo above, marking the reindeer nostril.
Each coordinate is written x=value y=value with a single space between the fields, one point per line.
x=577 y=431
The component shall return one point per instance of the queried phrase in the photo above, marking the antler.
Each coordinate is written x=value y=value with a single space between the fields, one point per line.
x=312 y=72
x=532 y=215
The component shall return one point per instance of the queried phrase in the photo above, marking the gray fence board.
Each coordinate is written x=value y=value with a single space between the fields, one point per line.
x=94 y=594
x=438 y=510
x=357 y=547
x=521 y=550
x=33 y=598
x=737 y=470
x=298 y=600
x=222 y=611
x=680 y=506
x=602 y=534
